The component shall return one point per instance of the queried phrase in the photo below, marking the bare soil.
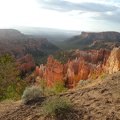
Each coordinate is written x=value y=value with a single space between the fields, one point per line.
x=98 y=101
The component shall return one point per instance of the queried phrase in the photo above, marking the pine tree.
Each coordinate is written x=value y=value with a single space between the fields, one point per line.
x=11 y=86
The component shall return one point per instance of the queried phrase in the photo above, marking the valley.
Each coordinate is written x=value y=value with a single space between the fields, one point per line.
x=59 y=59
x=83 y=69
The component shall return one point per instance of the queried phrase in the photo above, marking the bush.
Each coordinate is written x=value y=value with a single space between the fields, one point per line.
x=82 y=83
x=94 y=76
x=55 y=106
x=31 y=93
x=49 y=91
x=59 y=87
x=43 y=85
x=103 y=75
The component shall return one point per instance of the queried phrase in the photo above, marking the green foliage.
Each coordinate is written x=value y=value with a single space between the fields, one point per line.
x=63 y=56
x=40 y=59
x=82 y=83
x=31 y=93
x=59 y=87
x=103 y=75
x=10 y=93
x=43 y=85
x=54 y=106
x=49 y=91
x=11 y=86
x=94 y=76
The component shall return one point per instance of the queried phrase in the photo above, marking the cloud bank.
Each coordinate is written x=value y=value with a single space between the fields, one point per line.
x=87 y=15
x=104 y=10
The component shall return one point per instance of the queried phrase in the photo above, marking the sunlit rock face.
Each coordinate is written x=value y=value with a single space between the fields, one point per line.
x=87 y=64
x=52 y=72
x=113 y=62
x=83 y=65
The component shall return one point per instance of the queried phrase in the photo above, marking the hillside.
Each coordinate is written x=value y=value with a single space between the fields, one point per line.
x=10 y=34
x=87 y=40
x=96 y=101
x=52 y=34
x=18 y=44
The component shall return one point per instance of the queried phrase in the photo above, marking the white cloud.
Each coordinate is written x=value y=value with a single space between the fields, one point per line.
x=109 y=13
x=79 y=1
x=63 y=14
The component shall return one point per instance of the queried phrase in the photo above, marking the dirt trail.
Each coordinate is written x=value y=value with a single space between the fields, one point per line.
x=96 y=102
x=4 y=106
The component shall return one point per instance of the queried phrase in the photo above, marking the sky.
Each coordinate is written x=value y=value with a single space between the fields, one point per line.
x=85 y=15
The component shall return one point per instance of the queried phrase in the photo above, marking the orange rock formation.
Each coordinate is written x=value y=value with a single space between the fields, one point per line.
x=87 y=64
x=113 y=62
x=52 y=72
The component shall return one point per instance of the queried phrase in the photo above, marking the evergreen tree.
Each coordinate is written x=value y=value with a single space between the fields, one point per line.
x=11 y=86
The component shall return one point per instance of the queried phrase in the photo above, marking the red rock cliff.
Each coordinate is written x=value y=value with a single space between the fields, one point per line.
x=52 y=72
x=86 y=64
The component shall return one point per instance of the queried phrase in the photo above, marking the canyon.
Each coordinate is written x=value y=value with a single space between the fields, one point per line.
x=83 y=65
x=98 y=61
x=93 y=40
x=18 y=44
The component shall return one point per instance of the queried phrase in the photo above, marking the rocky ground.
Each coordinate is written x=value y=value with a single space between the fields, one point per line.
x=99 y=100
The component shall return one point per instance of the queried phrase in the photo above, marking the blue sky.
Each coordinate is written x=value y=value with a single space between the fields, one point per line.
x=85 y=15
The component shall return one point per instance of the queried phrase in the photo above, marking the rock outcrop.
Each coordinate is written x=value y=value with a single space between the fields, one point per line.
x=113 y=62
x=97 y=44
x=88 y=64
x=106 y=36
x=84 y=65
x=52 y=72
x=94 y=40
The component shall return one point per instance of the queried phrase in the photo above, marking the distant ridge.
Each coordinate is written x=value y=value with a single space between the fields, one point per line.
x=10 y=33
x=85 y=39
x=52 y=34
x=18 y=44
x=106 y=36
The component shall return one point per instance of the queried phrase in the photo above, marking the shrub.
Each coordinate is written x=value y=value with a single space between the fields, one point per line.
x=82 y=83
x=31 y=93
x=49 y=91
x=55 y=106
x=43 y=85
x=103 y=75
x=94 y=76
x=59 y=87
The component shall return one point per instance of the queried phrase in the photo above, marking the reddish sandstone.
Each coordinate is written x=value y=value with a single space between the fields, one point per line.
x=84 y=65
